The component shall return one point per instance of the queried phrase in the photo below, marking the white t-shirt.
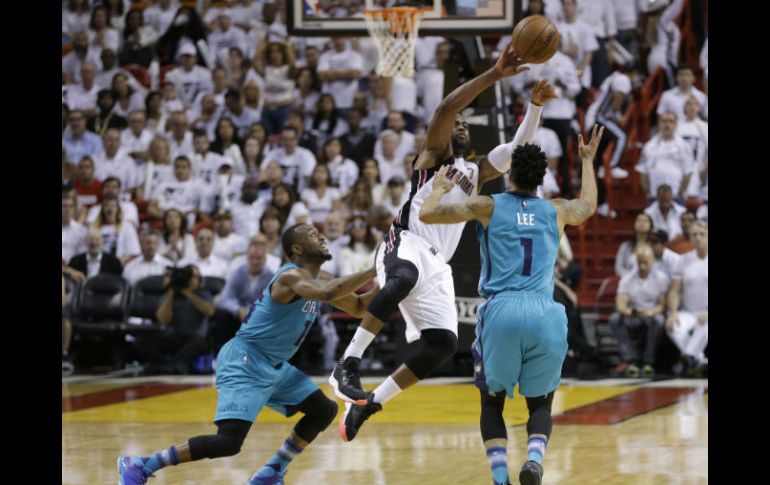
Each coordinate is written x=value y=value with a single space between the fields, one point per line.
x=390 y=168
x=158 y=18
x=320 y=207
x=219 y=195
x=355 y=260
x=548 y=141
x=404 y=95
x=152 y=175
x=228 y=247
x=425 y=53
x=185 y=148
x=132 y=143
x=183 y=196
x=279 y=87
x=561 y=68
x=405 y=146
x=121 y=166
x=342 y=91
x=75 y=96
x=549 y=185
x=128 y=209
x=183 y=249
x=673 y=101
x=246 y=217
x=296 y=167
x=71 y=64
x=671 y=225
x=666 y=264
x=138 y=268
x=626 y=13
x=122 y=243
x=73 y=240
x=643 y=293
x=600 y=16
x=666 y=162
x=344 y=172
x=694 y=274
x=220 y=42
x=580 y=34
x=189 y=84
x=211 y=266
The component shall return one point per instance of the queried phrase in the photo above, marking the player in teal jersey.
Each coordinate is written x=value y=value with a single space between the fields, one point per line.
x=521 y=335
x=253 y=369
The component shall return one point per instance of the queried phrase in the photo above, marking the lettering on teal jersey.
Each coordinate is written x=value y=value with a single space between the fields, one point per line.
x=310 y=306
x=525 y=219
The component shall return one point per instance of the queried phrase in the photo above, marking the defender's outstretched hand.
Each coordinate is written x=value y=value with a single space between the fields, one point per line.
x=509 y=64
x=441 y=182
x=589 y=151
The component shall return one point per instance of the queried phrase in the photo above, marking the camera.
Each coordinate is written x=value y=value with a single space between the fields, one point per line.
x=180 y=277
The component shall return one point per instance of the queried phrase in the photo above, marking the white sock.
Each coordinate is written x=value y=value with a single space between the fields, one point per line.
x=360 y=342
x=386 y=391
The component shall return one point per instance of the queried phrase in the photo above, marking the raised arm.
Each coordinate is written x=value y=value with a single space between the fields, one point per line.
x=498 y=161
x=576 y=211
x=300 y=282
x=439 y=136
x=477 y=208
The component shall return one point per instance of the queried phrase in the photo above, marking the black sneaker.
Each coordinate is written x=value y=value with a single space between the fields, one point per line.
x=531 y=473
x=355 y=415
x=346 y=381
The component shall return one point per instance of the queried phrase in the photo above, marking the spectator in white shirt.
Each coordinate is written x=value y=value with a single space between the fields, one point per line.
x=75 y=17
x=297 y=162
x=227 y=143
x=160 y=15
x=180 y=137
x=182 y=192
x=73 y=233
x=320 y=197
x=390 y=164
x=695 y=132
x=111 y=189
x=397 y=122
x=360 y=251
x=600 y=15
x=208 y=264
x=237 y=113
x=136 y=138
x=665 y=213
x=82 y=96
x=328 y=121
x=128 y=97
x=151 y=263
x=339 y=69
x=177 y=243
x=688 y=311
x=578 y=42
x=72 y=62
x=189 y=78
x=666 y=159
x=344 y=171
x=224 y=37
x=120 y=237
x=674 y=99
x=115 y=162
x=395 y=195
x=227 y=243
x=100 y=34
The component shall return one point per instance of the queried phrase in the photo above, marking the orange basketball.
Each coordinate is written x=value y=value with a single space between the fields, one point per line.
x=535 y=39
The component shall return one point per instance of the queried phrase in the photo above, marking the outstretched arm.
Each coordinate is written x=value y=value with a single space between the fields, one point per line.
x=576 y=211
x=498 y=161
x=356 y=305
x=300 y=282
x=438 y=138
x=476 y=208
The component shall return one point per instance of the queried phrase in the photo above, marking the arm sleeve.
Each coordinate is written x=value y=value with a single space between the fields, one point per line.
x=500 y=156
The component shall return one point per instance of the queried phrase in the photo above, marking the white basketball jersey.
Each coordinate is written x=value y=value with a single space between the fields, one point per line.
x=445 y=237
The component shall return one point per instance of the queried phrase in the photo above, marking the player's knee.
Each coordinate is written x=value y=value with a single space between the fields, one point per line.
x=442 y=343
x=327 y=413
x=540 y=403
x=492 y=401
x=401 y=279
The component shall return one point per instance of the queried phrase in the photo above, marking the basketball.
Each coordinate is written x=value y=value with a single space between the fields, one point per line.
x=535 y=39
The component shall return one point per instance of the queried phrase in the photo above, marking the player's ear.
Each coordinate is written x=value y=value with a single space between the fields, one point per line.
x=296 y=249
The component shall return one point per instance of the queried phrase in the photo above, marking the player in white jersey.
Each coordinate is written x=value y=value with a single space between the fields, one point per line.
x=411 y=263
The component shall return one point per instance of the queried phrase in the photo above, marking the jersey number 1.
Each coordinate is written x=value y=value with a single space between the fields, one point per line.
x=527 y=243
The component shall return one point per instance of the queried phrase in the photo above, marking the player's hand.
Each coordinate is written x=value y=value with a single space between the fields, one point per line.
x=671 y=322
x=588 y=152
x=509 y=64
x=703 y=318
x=443 y=183
x=543 y=93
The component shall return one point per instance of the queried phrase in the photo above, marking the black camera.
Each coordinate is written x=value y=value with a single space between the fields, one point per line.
x=180 y=277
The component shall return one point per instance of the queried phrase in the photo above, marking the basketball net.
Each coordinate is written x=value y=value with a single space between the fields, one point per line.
x=394 y=31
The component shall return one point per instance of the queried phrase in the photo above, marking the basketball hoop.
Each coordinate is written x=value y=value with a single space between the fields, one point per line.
x=394 y=31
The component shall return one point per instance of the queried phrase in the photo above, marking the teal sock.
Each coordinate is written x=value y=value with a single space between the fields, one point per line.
x=536 y=448
x=499 y=464
x=161 y=459
x=286 y=453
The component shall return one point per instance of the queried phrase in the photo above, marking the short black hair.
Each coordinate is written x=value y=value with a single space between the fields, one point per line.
x=233 y=95
x=528 y=165
x=684 y=67
x=289 y=238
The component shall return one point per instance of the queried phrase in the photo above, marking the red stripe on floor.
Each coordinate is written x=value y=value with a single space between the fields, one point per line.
x=123 y=394
x=625 y=406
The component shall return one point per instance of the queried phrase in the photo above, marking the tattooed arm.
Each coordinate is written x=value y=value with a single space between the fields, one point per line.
x=477 y=208
x=577 y=211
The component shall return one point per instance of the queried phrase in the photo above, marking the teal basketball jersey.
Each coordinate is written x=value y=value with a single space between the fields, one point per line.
x=277 y=330
x=519 y=246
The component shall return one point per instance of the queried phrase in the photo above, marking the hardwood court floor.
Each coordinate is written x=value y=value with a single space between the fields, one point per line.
x=610 y=433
